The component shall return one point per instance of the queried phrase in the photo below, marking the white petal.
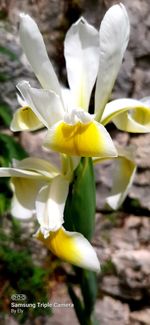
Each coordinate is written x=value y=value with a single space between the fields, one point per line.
x=81 y=53
x=114 y=36
x=67 y=98
x=45 y=104
x=128 y=114
x=25 y=193
x=89 y=258
x=123 y=175
x=78 y=115
x=21 y=101
x=118 y=106
x=69 y=164
x=145 y=100
x=125 y=122
x=16 y=172
x=71 y=247
x=24 y=119
x=34 y=48
x=38 y=165
x=19 y=211
x=50 y=204
x=75 y=161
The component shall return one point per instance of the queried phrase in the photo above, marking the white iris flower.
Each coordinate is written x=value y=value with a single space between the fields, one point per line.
x=41 y=189
x=91 y=56
x=71 y=129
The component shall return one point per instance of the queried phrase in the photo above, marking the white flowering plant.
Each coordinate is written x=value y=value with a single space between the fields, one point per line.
x=63 y=199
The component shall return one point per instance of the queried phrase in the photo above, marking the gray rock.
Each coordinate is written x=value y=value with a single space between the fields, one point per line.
x=111 y=285
x=110 y=311
x=125 y=79
x=141 y=78
x=122 y=246
x=141 y=317
x=139 y=18
x=33 y=144
x=142 y=149
x=142 y=178
x=133 y=267
x=142 y=194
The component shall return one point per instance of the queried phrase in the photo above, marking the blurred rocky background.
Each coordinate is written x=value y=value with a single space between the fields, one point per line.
x=122 y=238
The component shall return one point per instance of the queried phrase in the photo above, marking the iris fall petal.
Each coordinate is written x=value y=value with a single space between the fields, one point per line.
x=71 y=247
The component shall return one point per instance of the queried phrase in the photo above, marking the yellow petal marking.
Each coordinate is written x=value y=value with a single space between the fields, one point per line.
x=142 y=116
x=25 y=119
x=63 y=245
x=81 y=139
x=128 y=115
x=71 y=247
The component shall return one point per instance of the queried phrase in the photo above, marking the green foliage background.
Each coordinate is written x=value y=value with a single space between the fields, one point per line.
x=18 y=271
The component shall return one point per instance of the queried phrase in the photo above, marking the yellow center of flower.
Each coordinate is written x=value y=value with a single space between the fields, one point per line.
x=77 y=140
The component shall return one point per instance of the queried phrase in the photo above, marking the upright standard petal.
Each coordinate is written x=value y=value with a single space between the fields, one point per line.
x=50 y=204
x=128 y=114
x=81 y=53
x=45 y=104
x=114 y=36
x=81 y=139
x=71 y=247
x=34 y=48
x=124 y=171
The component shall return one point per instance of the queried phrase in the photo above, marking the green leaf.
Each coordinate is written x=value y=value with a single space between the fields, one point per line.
x=6 y=51
x=77 y=306
x=89 y=290
x=80 y=206
x=5 y=114
x=3 y=13
x=84 y=317
x=88 y=284
x=5 y=195
x=4 y=203
x=108 y=268
x=4 y=77
x=17 y=262
x=10 y=149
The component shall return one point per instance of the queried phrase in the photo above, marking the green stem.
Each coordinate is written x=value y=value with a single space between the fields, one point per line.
x=83 y=318
x=79 y=216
